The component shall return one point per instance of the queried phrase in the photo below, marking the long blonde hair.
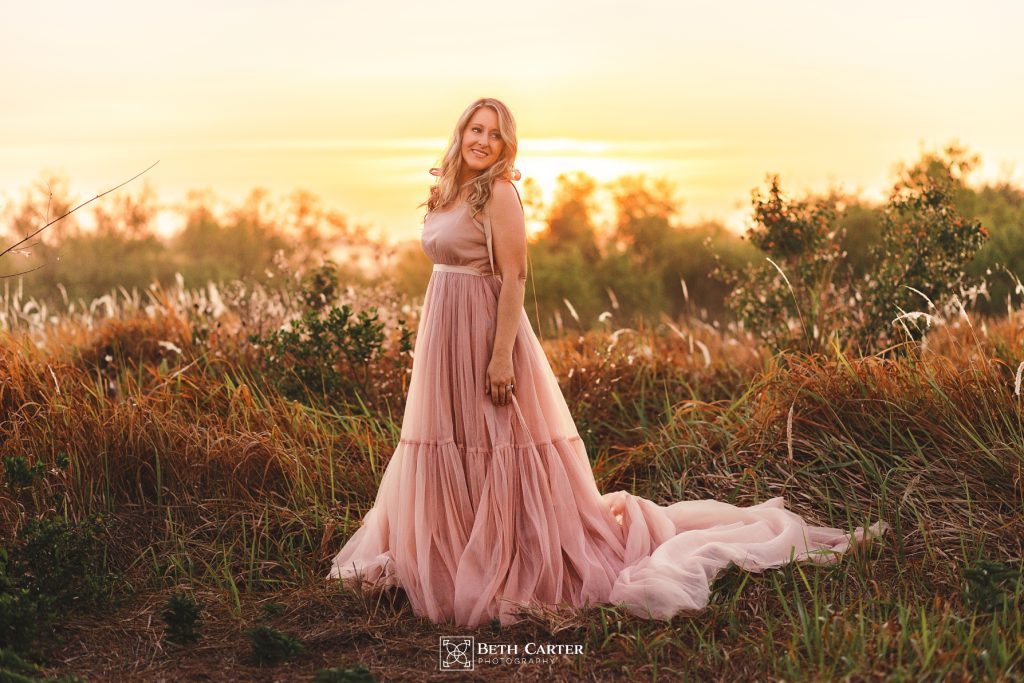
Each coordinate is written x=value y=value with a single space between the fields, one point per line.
x=447 y=188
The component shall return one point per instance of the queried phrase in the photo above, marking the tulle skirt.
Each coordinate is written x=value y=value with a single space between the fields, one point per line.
x=483 y=508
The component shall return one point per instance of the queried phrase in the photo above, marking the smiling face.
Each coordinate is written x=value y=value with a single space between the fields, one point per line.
x=481 y=142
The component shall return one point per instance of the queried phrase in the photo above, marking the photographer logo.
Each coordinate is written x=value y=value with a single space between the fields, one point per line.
x=456 y=653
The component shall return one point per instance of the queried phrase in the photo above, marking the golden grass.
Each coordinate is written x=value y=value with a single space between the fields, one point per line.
x=210 y=480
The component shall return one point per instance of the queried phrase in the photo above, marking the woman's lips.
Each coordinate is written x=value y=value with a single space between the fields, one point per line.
x=479 y=153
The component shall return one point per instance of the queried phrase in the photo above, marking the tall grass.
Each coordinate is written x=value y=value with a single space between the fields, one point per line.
x=208 y=478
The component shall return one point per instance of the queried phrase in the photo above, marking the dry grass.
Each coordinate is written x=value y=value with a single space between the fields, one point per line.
x=211 y=481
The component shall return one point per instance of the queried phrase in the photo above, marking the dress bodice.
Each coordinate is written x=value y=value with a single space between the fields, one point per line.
x=453 y=237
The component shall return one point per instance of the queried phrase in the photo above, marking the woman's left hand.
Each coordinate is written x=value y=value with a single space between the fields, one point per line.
x=499 y=375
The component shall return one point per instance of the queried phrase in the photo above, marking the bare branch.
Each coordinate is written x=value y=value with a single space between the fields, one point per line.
x=28 y=237
x=22 y=272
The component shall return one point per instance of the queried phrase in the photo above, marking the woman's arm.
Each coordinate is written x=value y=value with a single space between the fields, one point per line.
x=508 y=241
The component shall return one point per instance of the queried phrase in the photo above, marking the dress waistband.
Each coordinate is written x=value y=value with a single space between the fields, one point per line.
x=468 y=270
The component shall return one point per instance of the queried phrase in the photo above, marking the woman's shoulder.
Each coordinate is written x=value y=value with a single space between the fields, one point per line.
x=506 y=192
x=502 y=185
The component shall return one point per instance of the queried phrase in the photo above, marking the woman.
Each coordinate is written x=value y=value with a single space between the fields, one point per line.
x=489 y=501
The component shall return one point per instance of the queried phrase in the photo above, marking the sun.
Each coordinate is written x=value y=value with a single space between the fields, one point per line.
x=543 y=161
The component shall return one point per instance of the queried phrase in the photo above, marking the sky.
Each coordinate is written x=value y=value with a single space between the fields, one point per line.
x=355 y=102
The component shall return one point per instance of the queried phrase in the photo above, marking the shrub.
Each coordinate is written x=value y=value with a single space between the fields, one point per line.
x=14 y=669
x=28 y=483
x=18 y=475
x=52 y=568
x=327 y=351
x=792 y=301
x=357 y=674
x=988 y=585
x=183 y=617
x=804 y=297
x=21 y=618
x=270 y=646
x=65 y=561
x=926 y=245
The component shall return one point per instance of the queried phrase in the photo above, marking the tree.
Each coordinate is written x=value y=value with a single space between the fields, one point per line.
x=570 y=218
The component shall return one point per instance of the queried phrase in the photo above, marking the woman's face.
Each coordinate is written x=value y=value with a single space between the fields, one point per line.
x=481 y=142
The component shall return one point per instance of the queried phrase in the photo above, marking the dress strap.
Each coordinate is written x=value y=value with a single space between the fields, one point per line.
x=487 y=228
x=487 y=236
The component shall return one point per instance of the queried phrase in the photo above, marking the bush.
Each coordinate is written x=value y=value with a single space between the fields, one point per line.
x=53 y=568
x=926 y=245
x=805 y=297
x=14 y=669
x=988 y=585
x=357 y=674
x=18 y=475
x=793 y=301
x=65 y=561
x=28 y=483
x=21 y=618
x=183 y=617
x=270 y=646
x=326 y=352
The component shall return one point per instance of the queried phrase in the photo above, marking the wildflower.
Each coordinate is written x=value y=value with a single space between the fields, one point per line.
x=170 y=346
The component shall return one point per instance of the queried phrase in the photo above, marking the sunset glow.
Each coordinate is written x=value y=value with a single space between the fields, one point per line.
x=355 y=102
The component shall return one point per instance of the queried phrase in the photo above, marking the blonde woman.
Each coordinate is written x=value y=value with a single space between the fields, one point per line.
x=489 y=501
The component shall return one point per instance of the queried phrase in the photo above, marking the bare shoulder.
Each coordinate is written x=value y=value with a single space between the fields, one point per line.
x=505 y=198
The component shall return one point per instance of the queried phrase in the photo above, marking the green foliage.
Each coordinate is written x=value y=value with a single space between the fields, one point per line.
x=272 y=609
x=356 y=674
x=242 y=244
x=183 y=617
x=21 y=618
x=270 y=646
x=28 y=483
x=327 y=351
x=799 y=300
x=560 y=276
x=302 y=360
x=990 y=585
x=860 y=229
x=926 y=245
x=638 y=271
x=124 y=250
x=1001 y=209
x=53 y=568
x=655 y=265
x=66 y=561
x=320 y=287
x=14 y=669
x=17 y=473
x=791 y=301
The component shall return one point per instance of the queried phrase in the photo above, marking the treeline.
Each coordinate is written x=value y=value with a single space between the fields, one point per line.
x=583 y=274
x=648 y=262
x=256 y=240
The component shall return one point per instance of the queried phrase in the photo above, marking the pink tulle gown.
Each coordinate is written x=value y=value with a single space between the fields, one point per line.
x=485 y=507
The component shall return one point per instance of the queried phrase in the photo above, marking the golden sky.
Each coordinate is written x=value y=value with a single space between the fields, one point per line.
x=355 y=101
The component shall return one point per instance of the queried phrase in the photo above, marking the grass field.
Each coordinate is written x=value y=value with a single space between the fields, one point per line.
x=150 y=415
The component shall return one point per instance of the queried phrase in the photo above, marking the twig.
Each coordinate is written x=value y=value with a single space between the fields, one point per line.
x=30 y=236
